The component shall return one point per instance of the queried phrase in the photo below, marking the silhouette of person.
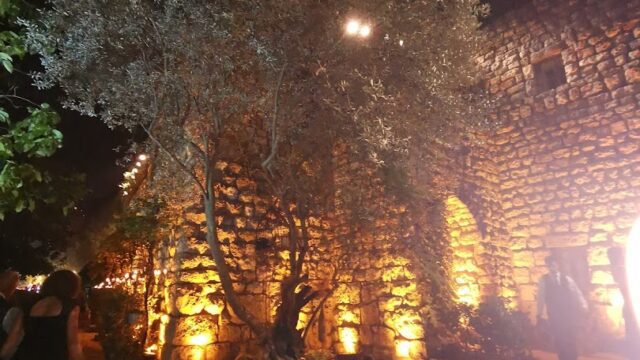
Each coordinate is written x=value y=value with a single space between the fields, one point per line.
x=563 y=300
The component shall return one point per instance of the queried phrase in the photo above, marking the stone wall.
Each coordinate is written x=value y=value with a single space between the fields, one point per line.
x=373 y=309
x=567 y=157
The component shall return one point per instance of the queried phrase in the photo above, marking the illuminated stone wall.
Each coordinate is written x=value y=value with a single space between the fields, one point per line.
x=567 y=158
x=375 y=308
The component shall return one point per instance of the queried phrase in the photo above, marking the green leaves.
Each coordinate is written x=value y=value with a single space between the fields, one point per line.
x=23 y=184
x=36 y=135
x=9 y=8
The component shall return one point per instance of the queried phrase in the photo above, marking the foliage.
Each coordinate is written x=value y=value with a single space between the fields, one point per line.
x=490 y=331
x=23 y=182
x=118 y=338
x=277 y=87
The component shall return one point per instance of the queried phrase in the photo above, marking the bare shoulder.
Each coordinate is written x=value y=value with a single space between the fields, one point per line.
x=49 y=306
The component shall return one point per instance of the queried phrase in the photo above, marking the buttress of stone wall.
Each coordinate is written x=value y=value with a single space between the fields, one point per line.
x=378 y=302
x=567 y=154
x=374 y=307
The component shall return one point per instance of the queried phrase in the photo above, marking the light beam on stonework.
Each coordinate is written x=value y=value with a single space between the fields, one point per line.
x=633 y=267
x=349 y=339
x=403 y=348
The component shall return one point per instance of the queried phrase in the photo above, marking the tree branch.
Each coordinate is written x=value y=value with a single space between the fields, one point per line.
x=175 y=158
x=274 y=123
x=223 y=269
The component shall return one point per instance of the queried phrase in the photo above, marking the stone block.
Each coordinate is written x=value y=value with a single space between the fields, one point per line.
x=632 y=74
x=523 y=259
x=601 y=277
x=198 y=330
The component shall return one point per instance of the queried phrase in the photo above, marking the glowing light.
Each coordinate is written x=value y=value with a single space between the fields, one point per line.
x=349 y=339
x=365 y=30
x=138 y=164
x=142 y=157
x=403 y=348
x=125 y=193
x=348 y=317
x=196 y=353
x=401 y=42
x=633 y=267
x=200 y=339
x=352 y=27
x=214 y=308
x=151 y=350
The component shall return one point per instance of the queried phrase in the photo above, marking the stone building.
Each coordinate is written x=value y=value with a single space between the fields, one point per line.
x=564 y=165
x=561 y=174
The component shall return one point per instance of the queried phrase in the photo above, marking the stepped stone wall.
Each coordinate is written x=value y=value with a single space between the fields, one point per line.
x=566 y=156
x=373 y=309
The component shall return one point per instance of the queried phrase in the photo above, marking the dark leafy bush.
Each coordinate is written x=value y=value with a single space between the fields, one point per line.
x=490 y=331
x=116 y=333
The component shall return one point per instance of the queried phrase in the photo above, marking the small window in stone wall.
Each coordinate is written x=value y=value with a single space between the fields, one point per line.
x=549 y=73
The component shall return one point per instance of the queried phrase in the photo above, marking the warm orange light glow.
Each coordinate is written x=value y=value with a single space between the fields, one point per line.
x=162 y=333
x=151 y=350
x=348 y=317
x=465 y=239
x=214 y=308
x=200 y=339
x=403 y=348
x=349 y=339
x=196 y=353
x=633 y=267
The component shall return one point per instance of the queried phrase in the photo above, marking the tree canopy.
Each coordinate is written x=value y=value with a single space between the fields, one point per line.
x=284 y=88
x=24 y=181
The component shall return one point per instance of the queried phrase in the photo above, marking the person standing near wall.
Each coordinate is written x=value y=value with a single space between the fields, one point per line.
x=564 y=302
x=632 y=332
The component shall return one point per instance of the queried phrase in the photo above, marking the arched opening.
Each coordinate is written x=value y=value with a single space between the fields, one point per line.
x=464 y=239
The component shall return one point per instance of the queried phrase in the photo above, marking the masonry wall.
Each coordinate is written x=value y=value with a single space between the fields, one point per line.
x=567 y=158
x=373 y=309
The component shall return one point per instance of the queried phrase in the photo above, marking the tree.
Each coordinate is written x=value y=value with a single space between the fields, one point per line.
x=278 y=87
x=24 y=182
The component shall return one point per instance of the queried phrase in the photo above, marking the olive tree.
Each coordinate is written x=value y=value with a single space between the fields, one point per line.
x=287 y=88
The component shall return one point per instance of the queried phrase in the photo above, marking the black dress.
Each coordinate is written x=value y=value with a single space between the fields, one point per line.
x=46 y=336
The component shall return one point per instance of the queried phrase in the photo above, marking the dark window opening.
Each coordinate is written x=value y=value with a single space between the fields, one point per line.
x=549 y=73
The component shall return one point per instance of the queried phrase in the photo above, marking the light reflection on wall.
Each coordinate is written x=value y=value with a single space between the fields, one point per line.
x=464 y=239
x=349 y=340
x=633 y=267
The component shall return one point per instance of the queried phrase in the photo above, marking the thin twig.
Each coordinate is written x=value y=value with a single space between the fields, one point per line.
x=274 y=122
x=175 y=158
